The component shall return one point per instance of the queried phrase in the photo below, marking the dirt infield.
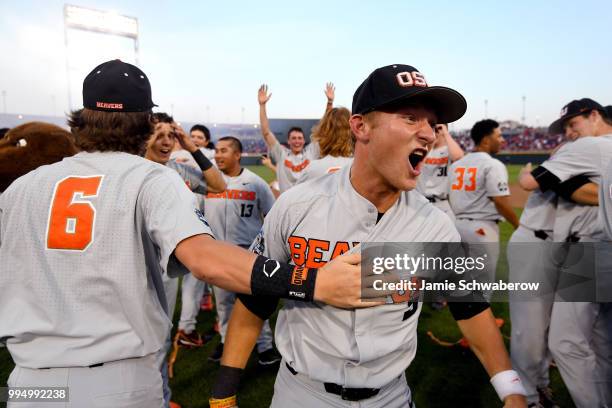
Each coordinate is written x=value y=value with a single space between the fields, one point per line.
x=518 y=196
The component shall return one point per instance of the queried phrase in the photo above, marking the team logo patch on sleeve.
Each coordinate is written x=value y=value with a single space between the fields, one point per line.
x=258 y=246
x=502 y=187
x=201 y=217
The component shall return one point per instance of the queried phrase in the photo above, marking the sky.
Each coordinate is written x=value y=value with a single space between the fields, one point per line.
x=206 y=59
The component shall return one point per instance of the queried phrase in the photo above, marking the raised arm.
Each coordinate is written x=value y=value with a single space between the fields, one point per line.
x=263 y=97
x=210 y=174
x=330 y=93
x=455 y=152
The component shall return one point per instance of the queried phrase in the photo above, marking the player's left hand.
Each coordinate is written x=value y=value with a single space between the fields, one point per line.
x=515 y=401
x=183 y=138
x=330 y=91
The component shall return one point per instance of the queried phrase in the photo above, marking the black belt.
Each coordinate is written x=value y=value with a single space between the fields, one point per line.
x=541 y=234
x=347 y=394
x=573 y=237
x=472 y=219
x=434 y=199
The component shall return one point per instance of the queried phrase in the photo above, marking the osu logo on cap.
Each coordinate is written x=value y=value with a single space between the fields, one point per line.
x=563 y=111
x=414 y=78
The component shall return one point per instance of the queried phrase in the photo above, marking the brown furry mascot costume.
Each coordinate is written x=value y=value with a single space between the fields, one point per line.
x=29 y=146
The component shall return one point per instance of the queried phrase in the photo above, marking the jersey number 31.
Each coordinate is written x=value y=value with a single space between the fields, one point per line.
x=71 y=218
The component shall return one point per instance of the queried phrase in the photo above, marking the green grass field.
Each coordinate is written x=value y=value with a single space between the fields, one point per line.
x=439 y=376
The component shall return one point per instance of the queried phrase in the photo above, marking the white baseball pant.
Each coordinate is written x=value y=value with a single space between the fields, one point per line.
x=530 y=318
x=299 y=391
x=192 y=290
x=133 y=383
x=580 y=341
x=482 y=232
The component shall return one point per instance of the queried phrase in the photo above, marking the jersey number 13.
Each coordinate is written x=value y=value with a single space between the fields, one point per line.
x=71 y=218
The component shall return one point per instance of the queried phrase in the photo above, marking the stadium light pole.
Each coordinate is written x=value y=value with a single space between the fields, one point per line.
x=486 y=103
x=97 y=21
x=523 y=117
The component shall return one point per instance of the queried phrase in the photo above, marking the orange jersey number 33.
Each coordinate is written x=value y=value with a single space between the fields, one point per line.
x=460 y=183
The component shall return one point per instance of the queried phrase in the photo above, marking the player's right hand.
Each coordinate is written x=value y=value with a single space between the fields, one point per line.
x=339 y=283
x=262 y=94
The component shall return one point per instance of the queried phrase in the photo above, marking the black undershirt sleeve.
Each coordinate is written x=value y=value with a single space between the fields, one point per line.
x=466 y=307
x=546 y=180
x=567 y=188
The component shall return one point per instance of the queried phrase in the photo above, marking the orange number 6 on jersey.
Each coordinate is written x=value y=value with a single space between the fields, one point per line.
x=71 y=219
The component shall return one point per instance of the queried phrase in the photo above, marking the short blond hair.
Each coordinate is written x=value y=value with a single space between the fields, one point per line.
x=333 y=133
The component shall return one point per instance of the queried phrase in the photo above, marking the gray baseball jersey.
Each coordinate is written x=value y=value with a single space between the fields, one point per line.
x=539 y=211
x=183 y=156
x=316 y=221
x=585 y=156
x=236 y=215
x=289 y=166
x=192 y=176
x=84 y=244
x=605 y=202
x=433 y=180
x=325 y=165
x=474 y=179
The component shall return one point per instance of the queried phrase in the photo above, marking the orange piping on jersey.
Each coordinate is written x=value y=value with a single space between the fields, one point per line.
x=296 y=168
x=436 y=160
x=234 y=195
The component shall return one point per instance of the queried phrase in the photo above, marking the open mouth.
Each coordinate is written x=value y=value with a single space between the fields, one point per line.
x=416 y=157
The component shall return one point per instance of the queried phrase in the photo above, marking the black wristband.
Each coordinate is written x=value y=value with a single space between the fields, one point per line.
x=272 y=278
x=202 y=161
x=226 y=384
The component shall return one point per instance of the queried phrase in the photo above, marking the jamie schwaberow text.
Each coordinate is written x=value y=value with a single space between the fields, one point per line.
x=463 y=284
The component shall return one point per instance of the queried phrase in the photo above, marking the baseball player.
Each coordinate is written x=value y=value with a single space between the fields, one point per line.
x=531 y=319
x=345 y=358
x=236 y=216
x=290 y=162
x=166 y=134
x=335 y=140
x=479 y=194
x=580 y=336
x=87 y=308
x=433 y=182
x=605 y=195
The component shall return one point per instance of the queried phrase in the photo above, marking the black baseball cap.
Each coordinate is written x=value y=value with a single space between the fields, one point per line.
x=574 y=108
x=116 y=86
x=394 y=84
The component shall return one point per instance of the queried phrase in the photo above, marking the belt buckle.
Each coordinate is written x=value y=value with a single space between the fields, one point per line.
x=357 y=394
